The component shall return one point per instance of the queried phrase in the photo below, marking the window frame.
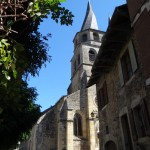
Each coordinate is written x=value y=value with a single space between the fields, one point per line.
x=128 y=63
x=141 y=120
x=92 y=57
x=102 y=96
x=126 y=66
x=77 y=123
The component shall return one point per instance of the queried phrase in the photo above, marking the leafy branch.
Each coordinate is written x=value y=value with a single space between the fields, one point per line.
x=36 y=10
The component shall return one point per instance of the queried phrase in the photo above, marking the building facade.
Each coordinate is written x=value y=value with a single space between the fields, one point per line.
x=121 y=75
x=68 y=125
x=140 y=22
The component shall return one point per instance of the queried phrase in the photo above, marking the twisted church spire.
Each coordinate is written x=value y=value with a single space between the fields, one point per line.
x=90 y=21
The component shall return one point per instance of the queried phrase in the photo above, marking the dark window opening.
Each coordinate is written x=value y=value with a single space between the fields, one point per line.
x=92 y=55
x=84 y=37
x=141 y=120
x=78 y=59
x=126 y=66
x=96 y=36
x=77 y=125
x=126 y=133
x=107 y=130
x=133 y=126
x=110 y=145
x=102 y=96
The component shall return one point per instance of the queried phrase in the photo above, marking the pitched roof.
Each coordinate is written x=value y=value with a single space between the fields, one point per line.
x=90 y=21
x=117 y=34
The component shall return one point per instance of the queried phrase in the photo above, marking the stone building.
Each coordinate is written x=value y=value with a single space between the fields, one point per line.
x=68 y=125
x=140 y=22
x=121 y=74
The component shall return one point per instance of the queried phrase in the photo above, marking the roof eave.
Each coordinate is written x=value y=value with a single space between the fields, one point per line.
x=117 y=34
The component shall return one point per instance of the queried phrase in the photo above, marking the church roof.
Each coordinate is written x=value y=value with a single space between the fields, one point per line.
x=90 y=21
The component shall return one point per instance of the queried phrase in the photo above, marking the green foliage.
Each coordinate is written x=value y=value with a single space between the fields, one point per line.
x=8 y=59
x=22 y=54
x=11 y=47
x=42 y=7
x=35 y=44
x=53 y=7
x=19 y=113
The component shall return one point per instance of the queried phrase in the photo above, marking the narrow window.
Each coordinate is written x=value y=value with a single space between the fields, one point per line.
x=96 y=36
x=84 y=37
x=107 y=130
x=133 y=125
x=126 y=133
x=78 y=60
x=77 y=125
x=102 y=96
x=92 y=54
x=126 y=66
x=141 y=120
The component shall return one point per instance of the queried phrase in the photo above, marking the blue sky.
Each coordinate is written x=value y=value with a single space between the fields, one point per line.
x=53 y=81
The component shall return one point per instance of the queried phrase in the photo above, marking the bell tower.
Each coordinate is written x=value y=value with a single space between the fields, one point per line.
x=86 y=46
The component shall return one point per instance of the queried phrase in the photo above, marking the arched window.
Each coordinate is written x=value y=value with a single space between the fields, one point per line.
x=110 y=145
x=92 y=54
x=77 y=125
x=84 y=37
x=96 y=36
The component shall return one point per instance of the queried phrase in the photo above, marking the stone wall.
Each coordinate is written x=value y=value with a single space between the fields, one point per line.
x=122 y=99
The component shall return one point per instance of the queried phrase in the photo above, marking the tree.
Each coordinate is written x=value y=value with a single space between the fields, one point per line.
x=23 y=51
x=13 y=13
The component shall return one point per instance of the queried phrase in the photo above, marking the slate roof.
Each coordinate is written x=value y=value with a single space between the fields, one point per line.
x=90 y=21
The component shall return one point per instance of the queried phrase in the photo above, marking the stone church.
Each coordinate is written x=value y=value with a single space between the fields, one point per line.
x=72 y=123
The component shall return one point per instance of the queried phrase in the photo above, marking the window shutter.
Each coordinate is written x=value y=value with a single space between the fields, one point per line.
x=145 y=117
x=132 y=56
x=133 y=127
x=120 y=74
